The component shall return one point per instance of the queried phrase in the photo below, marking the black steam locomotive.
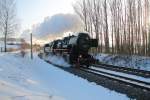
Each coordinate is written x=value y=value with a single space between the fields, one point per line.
x=73 y=48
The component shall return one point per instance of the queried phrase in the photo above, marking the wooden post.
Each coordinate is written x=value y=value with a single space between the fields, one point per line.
x=31 y=47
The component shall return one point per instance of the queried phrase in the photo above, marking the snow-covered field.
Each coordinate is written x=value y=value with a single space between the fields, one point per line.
x=136 y=62
x=25 y=79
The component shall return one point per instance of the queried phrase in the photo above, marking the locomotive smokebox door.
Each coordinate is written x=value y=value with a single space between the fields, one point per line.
x=93 y=42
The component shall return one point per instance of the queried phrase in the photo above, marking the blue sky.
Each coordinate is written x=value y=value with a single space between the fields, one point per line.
x=32 y=12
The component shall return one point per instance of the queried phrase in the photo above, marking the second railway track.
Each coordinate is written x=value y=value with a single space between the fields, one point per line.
x=129 y=81
x=127 y=70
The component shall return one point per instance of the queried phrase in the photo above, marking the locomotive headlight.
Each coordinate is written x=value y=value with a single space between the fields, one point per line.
x=87 y=38
x=86 y=46
x=80 y=56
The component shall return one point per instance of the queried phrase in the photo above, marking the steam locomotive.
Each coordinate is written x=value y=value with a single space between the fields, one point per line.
x=74 y=49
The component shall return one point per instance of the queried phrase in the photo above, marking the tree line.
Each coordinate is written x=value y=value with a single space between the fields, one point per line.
x=121 y=26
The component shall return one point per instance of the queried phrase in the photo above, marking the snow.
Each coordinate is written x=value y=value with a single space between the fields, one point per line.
x=137 y=62
x=57 y=59
x=26 y=79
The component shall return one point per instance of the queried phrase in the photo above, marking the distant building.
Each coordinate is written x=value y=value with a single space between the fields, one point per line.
x=12 y=43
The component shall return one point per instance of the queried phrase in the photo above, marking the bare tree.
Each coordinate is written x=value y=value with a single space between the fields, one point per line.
x=126 y=31
x=81 y=9
x=146 y=18
x=106 y=34
x=8 y=19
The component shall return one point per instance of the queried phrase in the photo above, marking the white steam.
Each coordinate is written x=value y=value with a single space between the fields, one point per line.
x=57 y=25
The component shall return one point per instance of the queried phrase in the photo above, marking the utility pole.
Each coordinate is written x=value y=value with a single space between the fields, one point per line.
x=31 y=47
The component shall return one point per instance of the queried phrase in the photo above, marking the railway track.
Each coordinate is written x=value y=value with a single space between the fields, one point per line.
x=127 y=70
x=119 y=78
x=129 y=81
x=122 y=79
x=102 y=73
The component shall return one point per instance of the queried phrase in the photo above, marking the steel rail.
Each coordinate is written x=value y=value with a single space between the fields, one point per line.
x=126 y=80
x=127 y=70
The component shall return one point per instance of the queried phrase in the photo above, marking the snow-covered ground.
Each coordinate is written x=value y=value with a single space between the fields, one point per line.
x=25 y=79
x=136 y=62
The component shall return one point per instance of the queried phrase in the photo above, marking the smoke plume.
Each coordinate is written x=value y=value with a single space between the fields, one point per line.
x=57 y=25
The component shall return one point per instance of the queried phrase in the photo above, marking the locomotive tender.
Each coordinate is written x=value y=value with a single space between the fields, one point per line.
x=73 y=48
